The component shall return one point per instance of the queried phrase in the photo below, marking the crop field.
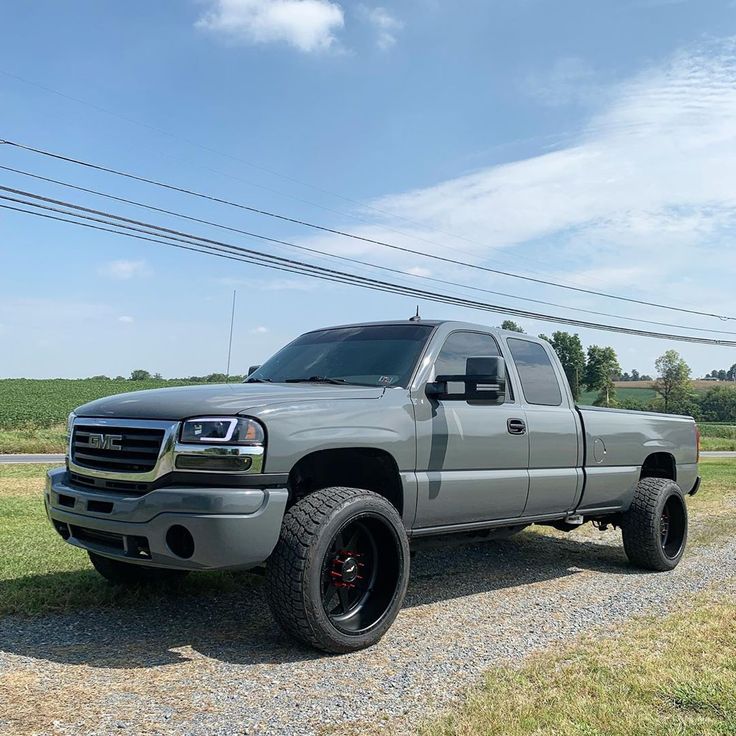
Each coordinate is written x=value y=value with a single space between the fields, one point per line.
x=44 y=403
x=644 y=394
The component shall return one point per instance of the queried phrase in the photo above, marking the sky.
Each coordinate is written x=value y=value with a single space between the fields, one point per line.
x=589 y=144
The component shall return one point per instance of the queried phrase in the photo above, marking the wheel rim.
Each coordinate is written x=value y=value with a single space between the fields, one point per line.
x=672 y=526
x=360 y=574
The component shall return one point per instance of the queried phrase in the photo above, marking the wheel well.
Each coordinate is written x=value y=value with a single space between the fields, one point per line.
x=659 y=465
x=368 y=468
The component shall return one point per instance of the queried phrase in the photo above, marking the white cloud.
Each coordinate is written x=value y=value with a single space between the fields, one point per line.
x=385 y=24
x=641 y=202
x=569 y=80
x=260 y=330
x=123 y=269
x=307 y=25
x=418 y=271
x=126 y=320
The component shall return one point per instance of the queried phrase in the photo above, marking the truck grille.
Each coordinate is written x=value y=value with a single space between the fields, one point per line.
x=131 y=449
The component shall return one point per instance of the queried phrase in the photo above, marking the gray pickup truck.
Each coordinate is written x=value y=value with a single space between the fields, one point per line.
x=351 y=443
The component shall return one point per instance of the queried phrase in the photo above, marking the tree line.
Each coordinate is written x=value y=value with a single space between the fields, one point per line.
x=598 y=369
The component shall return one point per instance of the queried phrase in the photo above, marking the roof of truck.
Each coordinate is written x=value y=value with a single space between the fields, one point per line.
x=431 y=323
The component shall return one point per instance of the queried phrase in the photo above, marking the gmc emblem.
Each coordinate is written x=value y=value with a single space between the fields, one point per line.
x=106 y=441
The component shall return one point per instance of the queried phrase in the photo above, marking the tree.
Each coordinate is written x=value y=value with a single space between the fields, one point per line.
x=719 y=404
x=140 y=375
x=601 y=367
x=722 y=375
x=569 y=350
x=731 y=375
x=646 y=377
x=509 y=324
x=673 y=380
x=635 y=375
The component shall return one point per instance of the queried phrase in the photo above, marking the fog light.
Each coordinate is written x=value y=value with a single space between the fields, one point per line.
x=180 y=541
x=63 y=529
x=232 y=463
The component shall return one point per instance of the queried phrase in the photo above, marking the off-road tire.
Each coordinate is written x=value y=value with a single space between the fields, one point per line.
x=297 y=573
x=126 y=573
x=645 y=542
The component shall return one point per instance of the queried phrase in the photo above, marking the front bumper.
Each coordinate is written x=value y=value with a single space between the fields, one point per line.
x=234 y=528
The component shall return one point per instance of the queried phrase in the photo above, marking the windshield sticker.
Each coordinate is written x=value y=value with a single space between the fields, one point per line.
x=387 y=380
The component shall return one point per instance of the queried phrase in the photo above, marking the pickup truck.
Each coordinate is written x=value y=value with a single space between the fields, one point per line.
x=347 y=446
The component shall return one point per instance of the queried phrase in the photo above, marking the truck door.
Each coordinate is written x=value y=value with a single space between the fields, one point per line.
x=472 y=457
x=555 y=457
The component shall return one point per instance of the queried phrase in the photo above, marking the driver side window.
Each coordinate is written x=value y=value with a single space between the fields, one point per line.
x=460 y=346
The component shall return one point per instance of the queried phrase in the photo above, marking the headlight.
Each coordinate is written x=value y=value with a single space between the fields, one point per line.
x=222 y=431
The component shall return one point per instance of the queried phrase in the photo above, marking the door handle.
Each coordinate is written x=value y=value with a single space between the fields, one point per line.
x=516 y=426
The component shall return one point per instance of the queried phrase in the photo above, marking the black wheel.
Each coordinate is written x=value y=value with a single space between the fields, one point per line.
x=126 y=573
x=655 y=526
x=338 y=575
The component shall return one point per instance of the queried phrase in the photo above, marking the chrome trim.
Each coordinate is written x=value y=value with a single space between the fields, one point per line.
x=255 y=452
x=170 y=449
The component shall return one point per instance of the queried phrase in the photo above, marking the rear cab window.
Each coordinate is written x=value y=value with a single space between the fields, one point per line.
x=538 y=377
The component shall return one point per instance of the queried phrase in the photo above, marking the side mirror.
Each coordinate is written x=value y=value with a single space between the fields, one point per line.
x=252 y=369
x=484 y=380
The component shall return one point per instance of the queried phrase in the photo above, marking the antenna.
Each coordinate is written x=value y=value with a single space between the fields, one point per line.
x=230 y=342
x=416 y=317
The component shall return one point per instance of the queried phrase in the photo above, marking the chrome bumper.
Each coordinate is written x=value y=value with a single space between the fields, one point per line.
x=230 y=527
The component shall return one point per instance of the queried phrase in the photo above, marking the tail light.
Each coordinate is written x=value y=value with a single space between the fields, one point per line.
x=697 y=443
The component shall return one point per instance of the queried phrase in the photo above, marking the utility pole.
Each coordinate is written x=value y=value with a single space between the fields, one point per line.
x=230 y=342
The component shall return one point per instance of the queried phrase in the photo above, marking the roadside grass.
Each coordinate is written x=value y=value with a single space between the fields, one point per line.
x=33 y=439
x=671 y=676
x=39 y=573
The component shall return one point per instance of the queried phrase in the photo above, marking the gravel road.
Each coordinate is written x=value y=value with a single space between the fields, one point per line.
x=218 y=665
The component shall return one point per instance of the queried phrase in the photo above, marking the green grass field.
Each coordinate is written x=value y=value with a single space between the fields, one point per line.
x=672 y=676
x=26 y=402
x=40 y=573
x=643 y=395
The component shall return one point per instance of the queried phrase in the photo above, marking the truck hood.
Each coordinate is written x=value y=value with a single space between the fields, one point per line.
x=226 y=399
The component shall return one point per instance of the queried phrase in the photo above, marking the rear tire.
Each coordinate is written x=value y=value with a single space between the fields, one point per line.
x=655 y=526
x=126 y=573
x=339 y=573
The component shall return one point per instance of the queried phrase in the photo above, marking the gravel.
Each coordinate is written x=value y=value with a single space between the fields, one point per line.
x=219 y=665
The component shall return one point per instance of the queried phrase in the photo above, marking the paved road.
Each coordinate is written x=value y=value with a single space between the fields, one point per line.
x=60 y=458
x=31 y=458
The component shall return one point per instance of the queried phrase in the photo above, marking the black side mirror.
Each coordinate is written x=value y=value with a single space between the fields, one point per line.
x=484 y=380
x=253 y=369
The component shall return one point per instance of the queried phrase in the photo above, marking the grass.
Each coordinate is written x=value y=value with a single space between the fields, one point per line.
x=44 y=402
x=33 y=439
x=674 y=676
x=40 y=573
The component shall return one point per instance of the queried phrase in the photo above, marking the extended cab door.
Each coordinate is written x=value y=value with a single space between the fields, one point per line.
x=553 y=425
x=472 y=457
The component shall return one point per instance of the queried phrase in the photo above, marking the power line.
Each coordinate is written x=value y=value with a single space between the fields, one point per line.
x=342 y=233
x=327 y=254
x=257 y=167
x=196 y=243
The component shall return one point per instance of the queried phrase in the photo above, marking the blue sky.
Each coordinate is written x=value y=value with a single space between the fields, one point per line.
x=592 y=143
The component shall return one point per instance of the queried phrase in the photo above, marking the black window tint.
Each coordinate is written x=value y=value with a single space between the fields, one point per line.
x=459 y=347
x=373 y=355
x=538 y=378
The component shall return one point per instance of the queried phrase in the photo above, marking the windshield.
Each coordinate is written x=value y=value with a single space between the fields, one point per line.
x=378 y=355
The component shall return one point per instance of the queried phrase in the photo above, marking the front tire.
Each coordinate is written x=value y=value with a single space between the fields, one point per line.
x=339 y=573
x=655 y=526
x=126 y=573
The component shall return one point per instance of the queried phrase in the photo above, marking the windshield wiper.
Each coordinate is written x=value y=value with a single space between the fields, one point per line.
x=315 y=379
x=257 y=380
